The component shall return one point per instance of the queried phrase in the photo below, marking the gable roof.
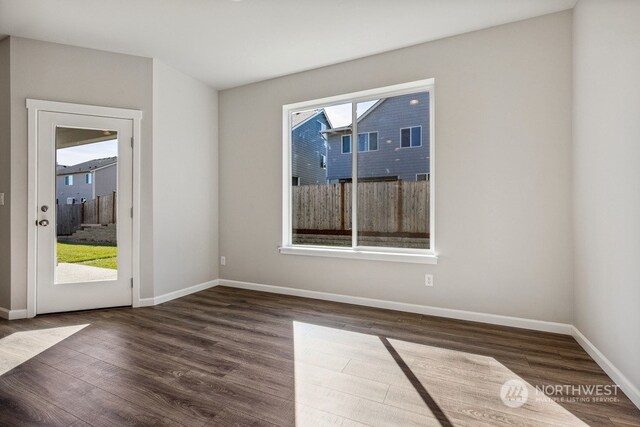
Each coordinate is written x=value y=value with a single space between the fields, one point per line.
x=362 y=116
x=88 y=166
x=301 y=117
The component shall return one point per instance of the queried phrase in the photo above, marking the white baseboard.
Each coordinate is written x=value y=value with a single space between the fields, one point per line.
x=12 y=314
x=145 y=302
x=614 y=373
x=494 y=319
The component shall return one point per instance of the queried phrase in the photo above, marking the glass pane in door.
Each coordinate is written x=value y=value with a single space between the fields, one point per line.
x=86 y=248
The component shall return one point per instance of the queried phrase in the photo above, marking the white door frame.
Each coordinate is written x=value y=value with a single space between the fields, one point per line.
x=34 y=106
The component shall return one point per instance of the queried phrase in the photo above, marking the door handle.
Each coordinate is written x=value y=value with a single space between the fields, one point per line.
x=43 y=222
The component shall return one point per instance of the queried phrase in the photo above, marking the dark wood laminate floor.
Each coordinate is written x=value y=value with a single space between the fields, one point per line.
x=231 y=357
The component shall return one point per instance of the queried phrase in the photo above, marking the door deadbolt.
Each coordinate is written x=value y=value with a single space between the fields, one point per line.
x=44 y=208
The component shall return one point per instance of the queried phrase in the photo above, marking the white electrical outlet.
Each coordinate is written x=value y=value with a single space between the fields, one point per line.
x=223 y=260
x=428 y=279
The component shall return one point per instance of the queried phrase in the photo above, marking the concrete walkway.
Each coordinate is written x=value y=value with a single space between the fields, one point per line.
x=73 y=273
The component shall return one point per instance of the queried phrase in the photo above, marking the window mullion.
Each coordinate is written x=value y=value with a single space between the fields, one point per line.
x=354 y=174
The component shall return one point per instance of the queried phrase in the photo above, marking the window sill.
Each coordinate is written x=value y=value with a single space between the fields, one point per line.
x=348 y=253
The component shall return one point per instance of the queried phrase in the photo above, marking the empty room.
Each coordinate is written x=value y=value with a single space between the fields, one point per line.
x=339 y=213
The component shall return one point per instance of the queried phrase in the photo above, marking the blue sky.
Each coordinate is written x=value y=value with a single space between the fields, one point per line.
x=82 y=153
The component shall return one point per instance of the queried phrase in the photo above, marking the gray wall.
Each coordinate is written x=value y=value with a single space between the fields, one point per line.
x=70 y=74
x=5 y=176
x=185 y=182
x=607 y=179
x=503 y=180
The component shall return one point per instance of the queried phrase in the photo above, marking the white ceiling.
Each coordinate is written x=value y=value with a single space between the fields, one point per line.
x=227 y=43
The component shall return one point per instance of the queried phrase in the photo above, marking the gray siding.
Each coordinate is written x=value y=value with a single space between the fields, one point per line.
x=106 y=180
x=390 y=160
x=308 y=144
x=80 y=189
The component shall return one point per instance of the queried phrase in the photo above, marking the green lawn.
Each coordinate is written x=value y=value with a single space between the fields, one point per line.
x=96 y=256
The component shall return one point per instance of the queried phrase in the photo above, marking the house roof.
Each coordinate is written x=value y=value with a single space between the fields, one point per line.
x=91 y=165
x=362 y=116
x=298 y=118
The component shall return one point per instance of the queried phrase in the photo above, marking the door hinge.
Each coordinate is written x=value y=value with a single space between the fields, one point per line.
x=132 y=283
x=131 y=142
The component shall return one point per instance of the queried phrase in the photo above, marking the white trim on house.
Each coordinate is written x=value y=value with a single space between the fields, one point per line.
x=34 y=106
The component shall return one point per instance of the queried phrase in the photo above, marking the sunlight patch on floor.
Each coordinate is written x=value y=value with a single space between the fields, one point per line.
x=347 y=378
x=17 y=348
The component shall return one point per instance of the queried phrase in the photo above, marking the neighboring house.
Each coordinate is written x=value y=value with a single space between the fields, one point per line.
x=393 y=142
x=309 y=147
x=86 y=181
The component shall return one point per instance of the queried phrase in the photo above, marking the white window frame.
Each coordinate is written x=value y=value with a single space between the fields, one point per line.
x=88 y=178
x=68 y=180
x=411 y=136
x=369 y=141
x=422 y=256
x=350 y=144
x=366 y=142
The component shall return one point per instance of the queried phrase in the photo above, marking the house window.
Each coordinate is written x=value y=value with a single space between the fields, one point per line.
x=411 y=137
x=295 y=181
x=68 y=180
x=346 y=144
x=374 y=206
x=373 y=141
x=71 y=200
x=367 y=141
x=88 y=178
x=323 y=161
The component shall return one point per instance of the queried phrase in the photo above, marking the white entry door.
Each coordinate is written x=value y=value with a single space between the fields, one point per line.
x=84 y=212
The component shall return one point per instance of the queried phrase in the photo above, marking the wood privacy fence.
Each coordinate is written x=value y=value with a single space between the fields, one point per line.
x=399 y=208
x=101 y=210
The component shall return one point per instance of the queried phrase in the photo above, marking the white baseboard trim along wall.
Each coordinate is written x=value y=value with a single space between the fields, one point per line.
x=146 y=302
x=494 y=319
x=614 y=373
x=12 y=314
x=537 y=325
